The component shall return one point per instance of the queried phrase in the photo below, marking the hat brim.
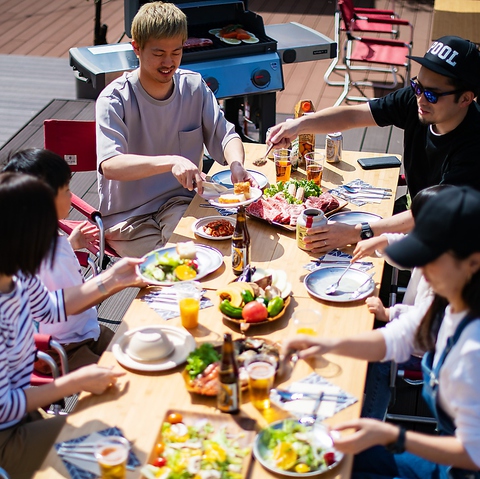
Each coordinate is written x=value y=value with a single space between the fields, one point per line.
x=411 y=252
x=432 y=66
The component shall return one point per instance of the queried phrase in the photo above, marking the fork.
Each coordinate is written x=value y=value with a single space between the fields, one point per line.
x=333 y=287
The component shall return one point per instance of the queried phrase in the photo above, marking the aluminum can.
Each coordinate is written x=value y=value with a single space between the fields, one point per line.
x=334 y=147
x=308 y=219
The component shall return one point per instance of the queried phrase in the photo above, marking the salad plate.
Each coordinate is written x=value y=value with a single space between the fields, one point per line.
x=255 y=193
x=183 y=342
x=209 y=260
x=199 y=227
x=221 y=441
x=276 y=449
x=320 y=279
x=224 y=178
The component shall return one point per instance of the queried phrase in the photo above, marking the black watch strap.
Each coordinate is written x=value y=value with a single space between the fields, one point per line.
x=366 y=232
x=398 y=446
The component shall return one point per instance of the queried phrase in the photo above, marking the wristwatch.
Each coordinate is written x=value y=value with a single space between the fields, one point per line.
x=398 y=446
x=366 y=232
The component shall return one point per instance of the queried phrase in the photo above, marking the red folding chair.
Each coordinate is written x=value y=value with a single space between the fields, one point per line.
x=371 y=52
x=75 y=141
x=43 y=343
x=364 y=23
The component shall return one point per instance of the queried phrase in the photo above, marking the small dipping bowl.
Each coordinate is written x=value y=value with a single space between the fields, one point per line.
x=149 y=345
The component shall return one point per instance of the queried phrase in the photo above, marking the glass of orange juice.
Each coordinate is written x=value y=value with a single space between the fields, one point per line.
x=189 y=303
x=306 y=321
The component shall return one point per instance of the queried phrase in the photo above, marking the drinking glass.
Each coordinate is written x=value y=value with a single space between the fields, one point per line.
x=314 y=166
x=189 y=303
x=306 y=321
x=112 y=454
x=283 y=164
x=261 y=373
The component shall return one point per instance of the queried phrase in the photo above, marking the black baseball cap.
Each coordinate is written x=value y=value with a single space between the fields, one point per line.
x=453 y=57
x=450 y=220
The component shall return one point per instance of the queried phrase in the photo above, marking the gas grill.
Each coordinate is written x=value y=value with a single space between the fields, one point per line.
x=245 y=76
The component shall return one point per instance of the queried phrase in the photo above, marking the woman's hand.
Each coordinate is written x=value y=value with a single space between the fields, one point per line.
x=282 y=135
x=85 y=235
x=306 y=345
x=367 y=433
x=123 y=274
x=95 y=379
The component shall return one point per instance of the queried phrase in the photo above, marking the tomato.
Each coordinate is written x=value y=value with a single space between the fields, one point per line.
x=254 y=312
x=159 y=448
x=159 y=462
x=329 y=458
x=174 y=418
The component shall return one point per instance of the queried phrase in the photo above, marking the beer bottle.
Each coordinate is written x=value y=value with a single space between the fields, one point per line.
x=228 y=397
x=240 y=243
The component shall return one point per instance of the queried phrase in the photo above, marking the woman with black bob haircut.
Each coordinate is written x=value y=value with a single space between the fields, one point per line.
x=29 y=232
x=445 y=244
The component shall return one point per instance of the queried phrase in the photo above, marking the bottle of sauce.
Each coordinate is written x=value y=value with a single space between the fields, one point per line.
x=229 y=392
x=305 y=142
x=240 y=243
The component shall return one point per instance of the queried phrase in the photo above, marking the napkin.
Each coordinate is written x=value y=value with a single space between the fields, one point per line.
x=335 y=398
x=337 y=258
x=166 y=307
x=87 y=468
x=342 y=193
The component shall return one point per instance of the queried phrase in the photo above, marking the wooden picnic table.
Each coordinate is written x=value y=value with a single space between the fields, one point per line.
x=139 y=403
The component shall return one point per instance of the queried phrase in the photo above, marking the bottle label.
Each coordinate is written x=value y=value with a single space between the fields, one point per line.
x=239 y=258
x=228 y=398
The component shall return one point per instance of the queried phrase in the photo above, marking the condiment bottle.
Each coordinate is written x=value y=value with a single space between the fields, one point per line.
x=240 y=243
x=229 y=392
x=305 y=142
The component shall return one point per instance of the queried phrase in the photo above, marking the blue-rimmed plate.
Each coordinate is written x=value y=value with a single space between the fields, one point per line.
x=354 y=217
x=224 y=178
x=320 y=279
x=318 y=437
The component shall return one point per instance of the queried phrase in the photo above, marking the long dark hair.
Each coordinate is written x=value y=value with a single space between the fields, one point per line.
x=427 y=331
x=29 y=223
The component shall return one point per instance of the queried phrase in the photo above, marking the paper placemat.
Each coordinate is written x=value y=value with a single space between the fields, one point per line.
x=337 y=258
x=170 y=309
x=80 y=468
x=335 y=399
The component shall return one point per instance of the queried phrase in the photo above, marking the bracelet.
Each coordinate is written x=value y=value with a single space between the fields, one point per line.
x=398 y=446
x=101 y=286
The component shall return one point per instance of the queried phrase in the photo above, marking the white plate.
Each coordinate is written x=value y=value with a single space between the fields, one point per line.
x=198 y=226
x=183 y=341
x=214 y=31
x=230 y=41
x=354 y=217
x=224 y=178
x=209 y=260
x=320 y=279
x=255 y=193
x=262 y=453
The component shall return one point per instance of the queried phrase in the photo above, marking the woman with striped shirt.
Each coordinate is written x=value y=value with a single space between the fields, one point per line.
x=29 y=232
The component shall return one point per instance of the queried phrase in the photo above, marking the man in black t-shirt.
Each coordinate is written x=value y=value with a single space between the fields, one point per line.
x=441 y=121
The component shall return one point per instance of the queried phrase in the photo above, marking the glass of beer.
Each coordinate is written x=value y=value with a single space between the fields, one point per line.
x=314 y=166
x=261 y=373
x=112 y=454
x=283 y=164
x=306 y=321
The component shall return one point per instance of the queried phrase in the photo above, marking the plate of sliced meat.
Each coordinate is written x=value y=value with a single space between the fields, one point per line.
x=279 y=212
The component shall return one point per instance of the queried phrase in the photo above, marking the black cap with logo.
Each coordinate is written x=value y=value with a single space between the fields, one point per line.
x=453 y=57
x=448 y=221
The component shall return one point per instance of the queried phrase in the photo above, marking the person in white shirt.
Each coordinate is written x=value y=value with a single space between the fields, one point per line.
x=445 y=244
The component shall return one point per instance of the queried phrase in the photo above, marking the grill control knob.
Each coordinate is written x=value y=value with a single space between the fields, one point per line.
x=261 y=78
x=212 y=83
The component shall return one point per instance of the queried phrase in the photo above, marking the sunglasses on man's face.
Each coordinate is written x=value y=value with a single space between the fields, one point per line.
x=430 y=96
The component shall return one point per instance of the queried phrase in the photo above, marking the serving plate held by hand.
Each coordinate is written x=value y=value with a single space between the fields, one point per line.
x=255 y=193
x=321 y=437
x=224 y=178
x=209 y=260
x=320 y=279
